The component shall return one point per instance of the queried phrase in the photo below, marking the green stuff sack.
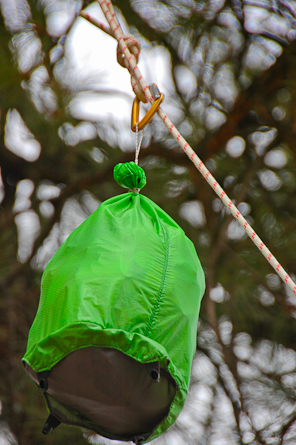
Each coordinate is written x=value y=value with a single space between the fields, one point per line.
x=114 y=336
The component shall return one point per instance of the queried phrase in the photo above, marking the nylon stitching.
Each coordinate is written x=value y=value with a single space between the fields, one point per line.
x=159 y=299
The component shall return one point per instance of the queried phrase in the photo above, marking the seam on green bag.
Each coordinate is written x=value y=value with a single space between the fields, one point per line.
x=160 y=294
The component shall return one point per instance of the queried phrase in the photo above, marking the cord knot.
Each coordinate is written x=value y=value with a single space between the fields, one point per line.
x=130 y=175
x=135 y=48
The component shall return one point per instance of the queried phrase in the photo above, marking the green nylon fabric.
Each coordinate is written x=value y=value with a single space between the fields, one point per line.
x=127 y=278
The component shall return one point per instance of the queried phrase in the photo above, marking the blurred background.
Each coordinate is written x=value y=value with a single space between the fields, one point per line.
x=228 y=71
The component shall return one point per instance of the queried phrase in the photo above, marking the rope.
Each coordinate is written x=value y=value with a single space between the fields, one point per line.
x=130 y=62
x=138 y=143
x=96 y=22
x=124 y=41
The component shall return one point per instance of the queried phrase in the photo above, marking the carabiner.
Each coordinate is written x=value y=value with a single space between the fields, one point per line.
x=150 y=113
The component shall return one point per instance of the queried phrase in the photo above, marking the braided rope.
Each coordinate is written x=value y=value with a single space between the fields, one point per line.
x=130 y=62
x=132 y=44
x=96 y=22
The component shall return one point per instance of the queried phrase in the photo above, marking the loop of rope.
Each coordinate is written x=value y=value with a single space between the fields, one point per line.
x=129 y=42
x=135 y=48
x=131 y=65
x=133 y=45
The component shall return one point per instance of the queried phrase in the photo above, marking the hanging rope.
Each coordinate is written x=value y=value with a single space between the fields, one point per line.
x=129 y=58
x=138 y=144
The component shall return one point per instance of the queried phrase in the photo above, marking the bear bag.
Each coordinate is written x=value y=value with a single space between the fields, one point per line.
x=113 y=340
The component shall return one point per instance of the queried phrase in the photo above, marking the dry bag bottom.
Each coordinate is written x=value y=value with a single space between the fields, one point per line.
x=123 y=397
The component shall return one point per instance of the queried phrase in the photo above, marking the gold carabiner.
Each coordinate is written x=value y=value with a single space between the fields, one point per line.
x=148 y=116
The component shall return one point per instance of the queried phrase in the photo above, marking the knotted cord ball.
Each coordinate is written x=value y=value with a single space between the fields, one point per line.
x=129 y=175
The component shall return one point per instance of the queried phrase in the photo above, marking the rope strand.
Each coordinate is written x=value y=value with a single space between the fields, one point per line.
x=96 y=22
x=138 y=144
x=130 y=64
